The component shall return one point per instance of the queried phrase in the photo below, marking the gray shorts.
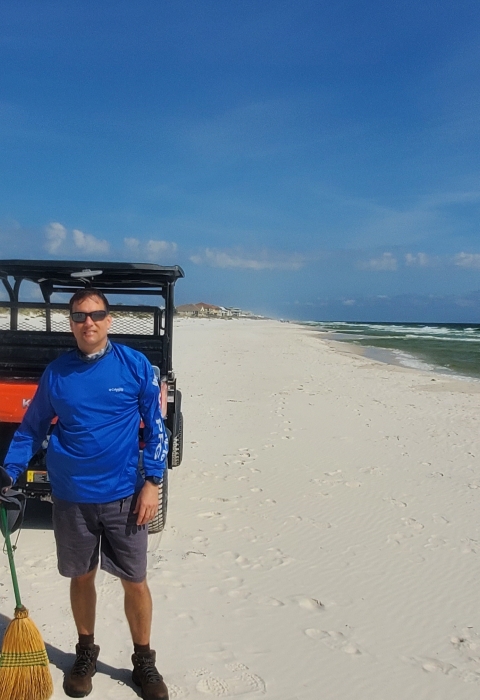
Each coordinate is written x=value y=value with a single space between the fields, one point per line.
x=83 y=530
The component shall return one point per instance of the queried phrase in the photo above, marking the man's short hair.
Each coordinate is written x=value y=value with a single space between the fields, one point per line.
x=87 y=293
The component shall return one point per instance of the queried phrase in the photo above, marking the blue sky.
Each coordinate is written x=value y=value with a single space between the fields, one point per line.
x=303 y=159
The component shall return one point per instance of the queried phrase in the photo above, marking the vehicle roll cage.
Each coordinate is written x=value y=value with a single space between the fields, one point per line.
x=67 y=277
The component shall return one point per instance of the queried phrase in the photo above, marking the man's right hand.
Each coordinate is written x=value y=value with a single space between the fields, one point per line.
x=6 y=481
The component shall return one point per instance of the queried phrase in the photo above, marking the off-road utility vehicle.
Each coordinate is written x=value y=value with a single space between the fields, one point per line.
x=35 y=330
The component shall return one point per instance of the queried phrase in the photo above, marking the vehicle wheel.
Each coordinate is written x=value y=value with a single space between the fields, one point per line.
x=158 y=523
x=177 y=444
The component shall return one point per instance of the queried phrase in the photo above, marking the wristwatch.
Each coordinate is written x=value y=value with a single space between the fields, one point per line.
x=157 y=480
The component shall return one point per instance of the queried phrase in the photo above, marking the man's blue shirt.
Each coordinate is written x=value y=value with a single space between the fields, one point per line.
x=92 y=455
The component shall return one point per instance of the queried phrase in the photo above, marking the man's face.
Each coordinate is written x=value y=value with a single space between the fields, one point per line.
x=91 y=336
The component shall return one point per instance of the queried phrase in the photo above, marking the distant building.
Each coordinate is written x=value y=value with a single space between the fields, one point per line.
x=187 y=310
x=234 y=313
x=204 y=310
x=201 y=309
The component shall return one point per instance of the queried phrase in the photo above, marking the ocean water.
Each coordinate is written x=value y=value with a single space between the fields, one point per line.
x=453 y=348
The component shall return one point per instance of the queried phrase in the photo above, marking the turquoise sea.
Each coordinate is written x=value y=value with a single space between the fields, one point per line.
x=453 y=348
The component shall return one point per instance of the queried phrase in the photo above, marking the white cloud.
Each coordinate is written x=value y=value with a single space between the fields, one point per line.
x=56 y=235
x=152 y=249
x=385 y=262
x=471 y=260
x=132 y=244
x=88 y=243
x=349 y=302
x=236 y=259
x=418 y=260
x=156 y=249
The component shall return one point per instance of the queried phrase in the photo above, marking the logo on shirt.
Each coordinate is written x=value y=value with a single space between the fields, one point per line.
x=116 y=388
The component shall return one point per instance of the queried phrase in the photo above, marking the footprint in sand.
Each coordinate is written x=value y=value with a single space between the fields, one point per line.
x=467 y=645
x=397 y=503
x=467 y=641
x=370 y=470
x=307 y=603
x=230 y=586
x=414 y=524
x=466 y=671
x=200 y=540
x=314 y=633
x=273 y=602
x=433 y=665
x=440 y=519
x=467 y=668
x=270 y=560
x=237 y=679
x=398 y=538
x=434 y=542
x=336 y=641
x=469 y=546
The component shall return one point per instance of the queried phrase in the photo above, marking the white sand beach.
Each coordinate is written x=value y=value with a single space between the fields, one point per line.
x=323 y=537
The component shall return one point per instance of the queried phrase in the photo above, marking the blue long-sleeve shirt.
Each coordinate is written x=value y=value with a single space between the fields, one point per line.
x=92 y=454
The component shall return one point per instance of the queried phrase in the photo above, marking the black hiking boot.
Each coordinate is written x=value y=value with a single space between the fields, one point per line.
x=78 y=681
x=146 y=675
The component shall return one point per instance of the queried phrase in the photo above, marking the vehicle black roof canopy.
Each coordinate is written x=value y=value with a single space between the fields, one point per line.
x=102 y=275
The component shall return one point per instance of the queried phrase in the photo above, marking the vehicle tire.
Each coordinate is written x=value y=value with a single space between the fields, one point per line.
x=177 y=443
x=158 y=523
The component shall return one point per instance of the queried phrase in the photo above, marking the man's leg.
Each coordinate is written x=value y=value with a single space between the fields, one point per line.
x=138 y=610
x=124 y=555
x=77 y=534
x=83 y=599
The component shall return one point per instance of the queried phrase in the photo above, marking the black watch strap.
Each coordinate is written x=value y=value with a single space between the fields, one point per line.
x=157 y=480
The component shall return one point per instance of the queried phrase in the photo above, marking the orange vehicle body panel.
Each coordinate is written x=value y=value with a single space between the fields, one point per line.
x=15 y=397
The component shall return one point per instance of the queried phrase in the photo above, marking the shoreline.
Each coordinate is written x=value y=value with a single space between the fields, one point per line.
x=396 y=356
x=446 y=379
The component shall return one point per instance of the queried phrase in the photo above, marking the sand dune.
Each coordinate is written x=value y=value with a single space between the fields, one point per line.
x=323 y=535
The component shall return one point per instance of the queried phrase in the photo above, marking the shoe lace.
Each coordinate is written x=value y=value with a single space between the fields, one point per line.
x=148 y=669
x=83 y=662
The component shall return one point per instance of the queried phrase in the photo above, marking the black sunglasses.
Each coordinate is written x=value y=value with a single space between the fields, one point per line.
x=81 y=316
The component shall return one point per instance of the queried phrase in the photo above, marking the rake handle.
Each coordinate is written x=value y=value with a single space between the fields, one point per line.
x=3 y=516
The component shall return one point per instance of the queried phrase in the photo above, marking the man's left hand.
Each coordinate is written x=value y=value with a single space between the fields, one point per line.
x=5 y=480
x=147 y=503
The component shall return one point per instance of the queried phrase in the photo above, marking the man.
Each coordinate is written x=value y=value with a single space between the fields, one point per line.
x=101 y=503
